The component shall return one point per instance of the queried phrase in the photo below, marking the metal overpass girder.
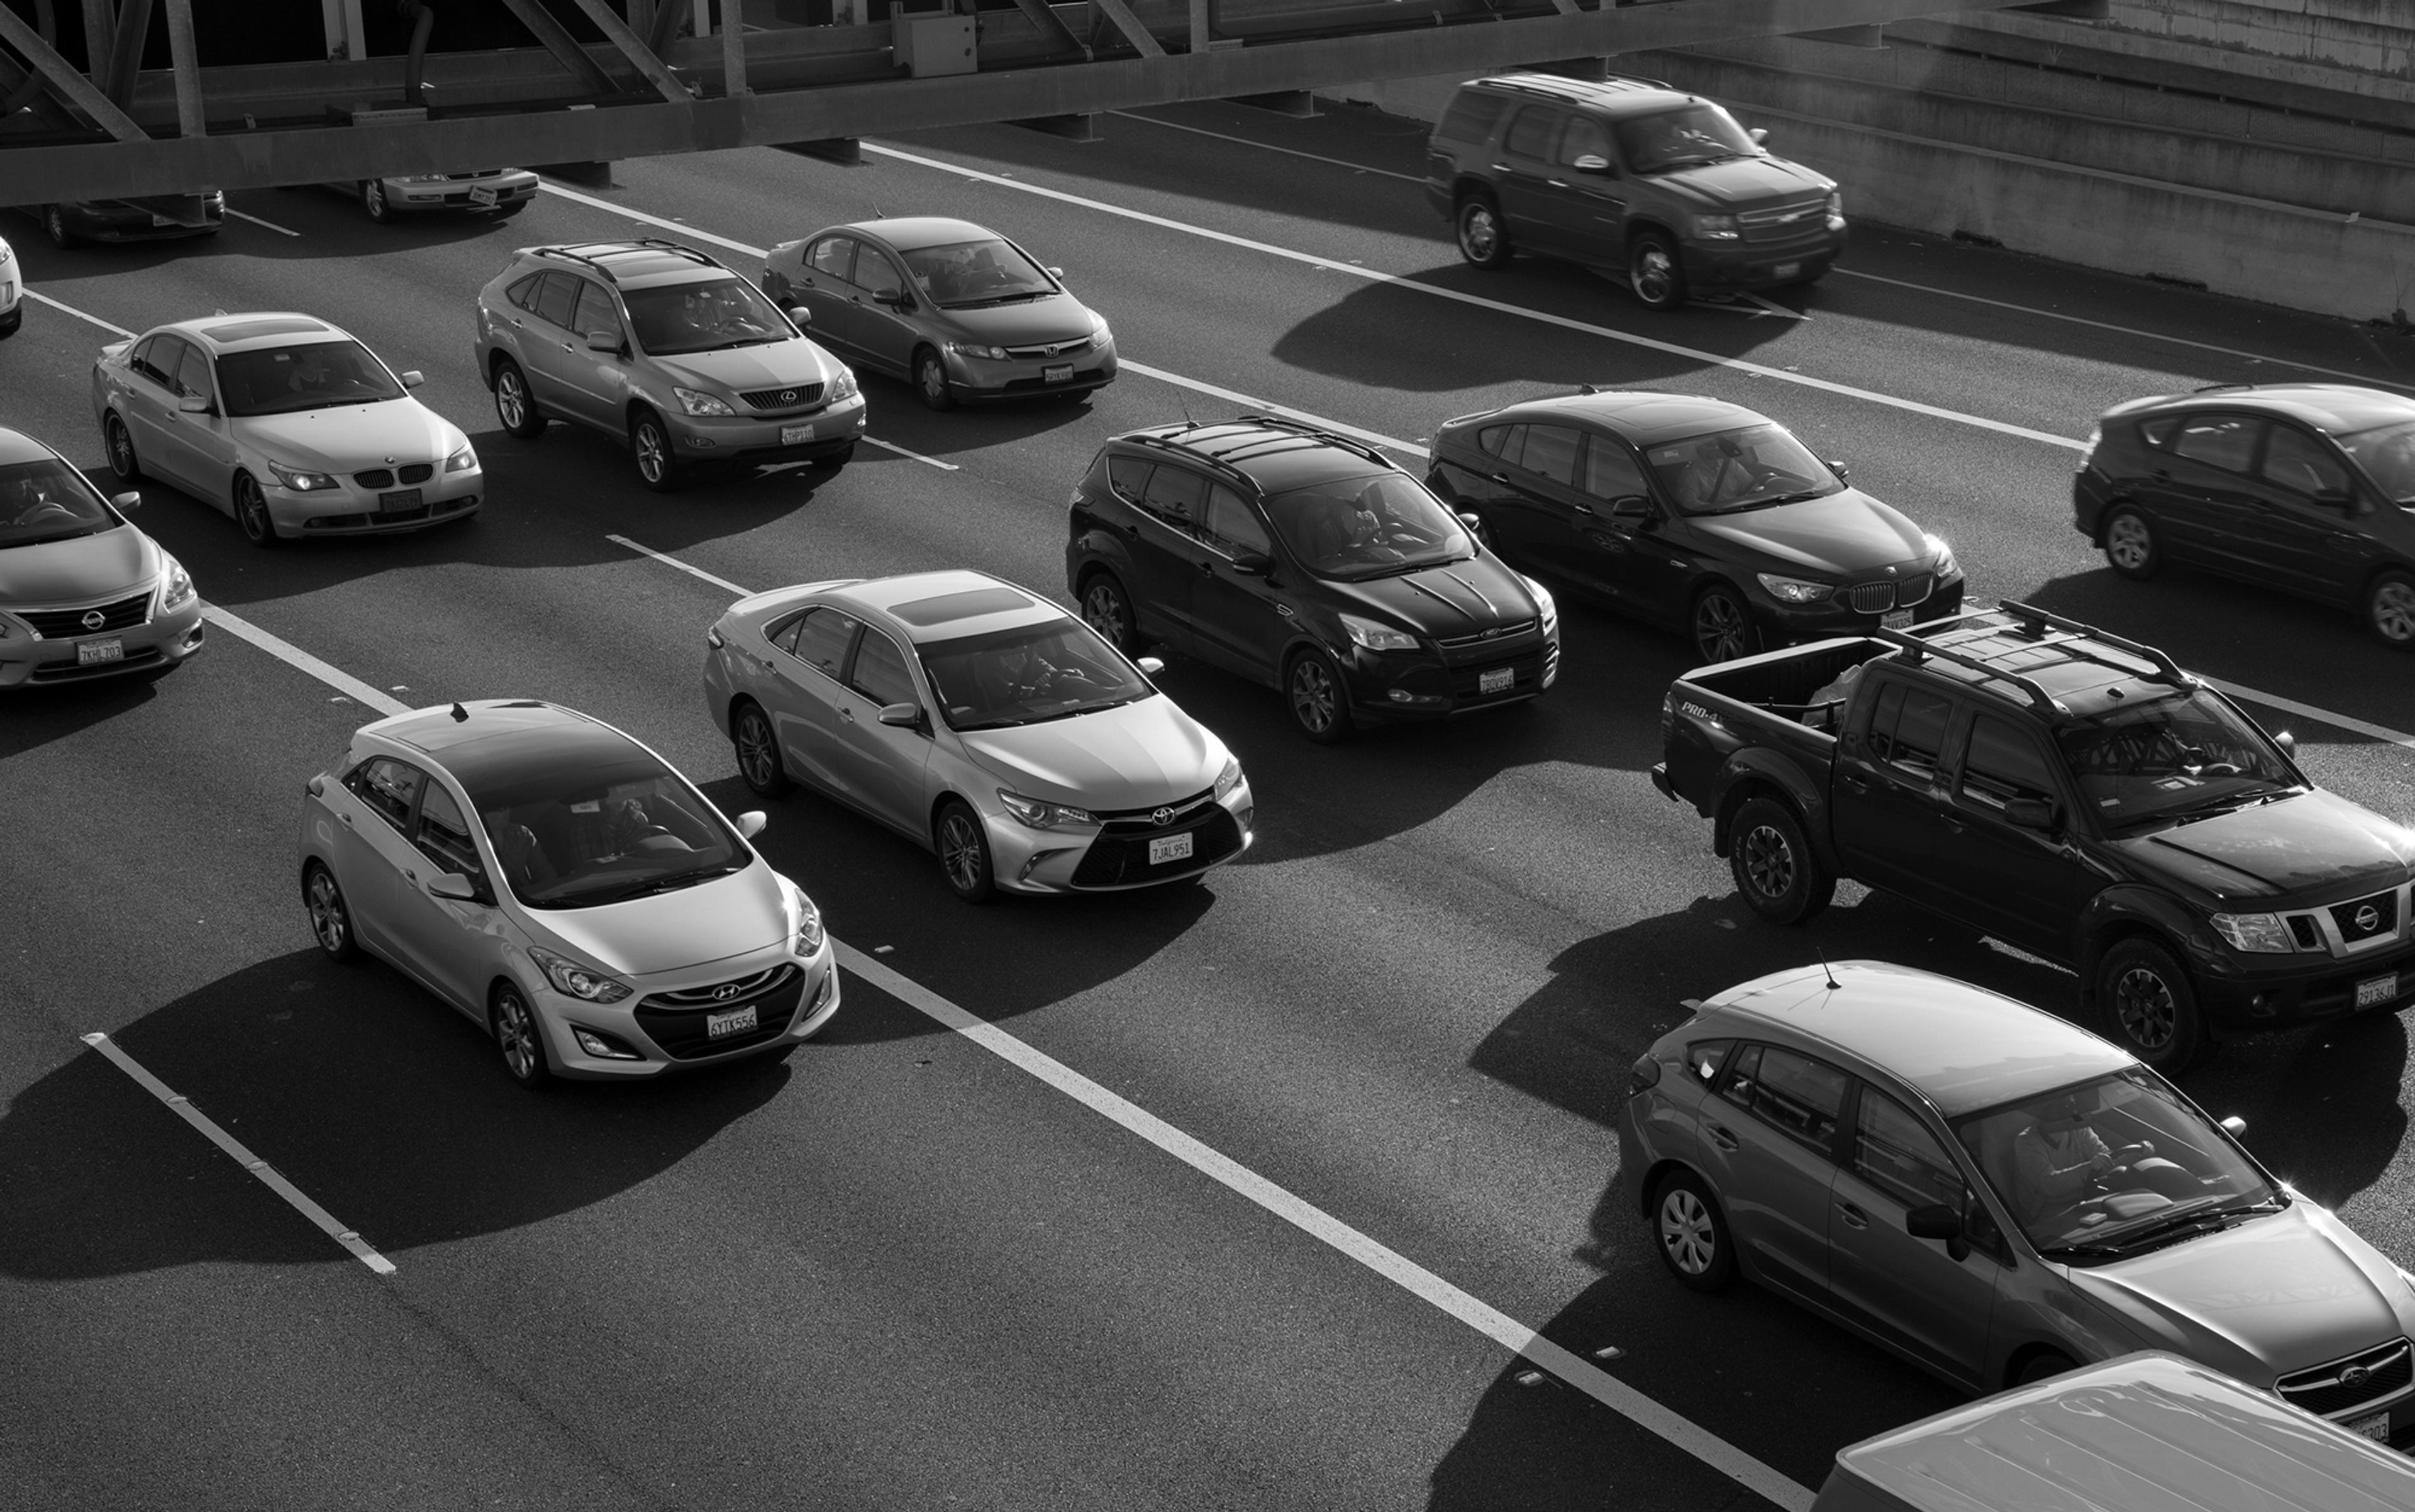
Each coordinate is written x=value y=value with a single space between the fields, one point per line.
x=1128 y=23
x=1052 y=26
x=65 y=81
x=635 y=49
x=556 y=39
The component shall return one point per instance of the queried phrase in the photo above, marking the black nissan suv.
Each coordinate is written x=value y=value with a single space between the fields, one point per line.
x=1308 y=562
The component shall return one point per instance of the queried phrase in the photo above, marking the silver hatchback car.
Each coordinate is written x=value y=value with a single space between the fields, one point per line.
x=567 y=889
x=981 y=721
x=1998 y=1196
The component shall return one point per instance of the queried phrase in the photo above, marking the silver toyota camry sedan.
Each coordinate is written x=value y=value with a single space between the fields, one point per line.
x=981 y=721
x=1998 y=1196
x=567 y=889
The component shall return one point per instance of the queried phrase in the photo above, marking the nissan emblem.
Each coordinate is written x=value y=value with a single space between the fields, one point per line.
x=2368 y=918
x=1161 y=817
x=93 y=620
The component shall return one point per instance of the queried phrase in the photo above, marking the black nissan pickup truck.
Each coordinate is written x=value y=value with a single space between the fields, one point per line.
x=2066 y=791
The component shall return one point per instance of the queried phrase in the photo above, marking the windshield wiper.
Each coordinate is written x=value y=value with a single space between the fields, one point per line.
x=2084 y=1251
x=675 y=880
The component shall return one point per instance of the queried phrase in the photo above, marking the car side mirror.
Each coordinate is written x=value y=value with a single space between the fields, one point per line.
x=1838 y=469
x=1150 y=665
x=130 y=499
x=891 y=299
x=903 y=715
x=1592 y=162
x=412 y=378
x=1938 y=1221
x=1760 y=135
x=751 y=823
x=1634 y=506
x=2235 y=1127
x=1057 y=273
x=604 y=342
x=803 y=316
x=2029 y=814
x=2287 y=742
x=1253 y=564
x=2339 y=499
x=453 y=885
x=193 y=404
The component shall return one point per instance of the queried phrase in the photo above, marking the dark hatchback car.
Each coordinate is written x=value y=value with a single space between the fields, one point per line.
x=1307 y=562
x=1692 y=513
x=2309 y=487
x=157 y=218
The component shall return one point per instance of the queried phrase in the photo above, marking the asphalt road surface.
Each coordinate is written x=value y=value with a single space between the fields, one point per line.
x=1241 y=1195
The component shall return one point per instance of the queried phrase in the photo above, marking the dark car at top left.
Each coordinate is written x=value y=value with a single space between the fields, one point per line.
x=83 y=594
x=152 y=218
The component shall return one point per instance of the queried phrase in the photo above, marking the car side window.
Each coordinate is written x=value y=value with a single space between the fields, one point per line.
x=784 y=634
x=1230 y=528
x=823 y=635
x=879 y=672
x=1175 y=495
x=1492 y=439
x=2224 y=440
x=1530 y=134
x=2160 y=430
x=1611 y=471
x=1584 y=135
x=1550 y=453
x=1471 y=117
x=1798 y=1095
x=1508 y=442
x=875 y=275
x=831 y=257
x=2298 y=461
x=193 y=374
x=388 y=787
x=555 y=296
x=1128 y=476
x=1705 y=1057
x=1908 y=729
x=523 y=293
x=596 y=314
x=165 y=355
x=1894 y=1151
x=2002 y=763
x=443 y=834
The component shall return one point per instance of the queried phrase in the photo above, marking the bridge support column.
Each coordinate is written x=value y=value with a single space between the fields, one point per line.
x=346 y=36
x=186 y=60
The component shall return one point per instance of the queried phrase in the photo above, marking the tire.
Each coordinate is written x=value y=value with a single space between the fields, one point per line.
x=931 y=381
x=1106 y=610
x=757 y=747
x=1774 y=870
x=331 y=918
x=649 y=448
x=1691 y=1234
x=2131 y=548
x=1483 y=235
x=1653 y=273
x=519 y=1039
x=963 y=845
x=120 y=441
x=251 y=513
x=373 y=200
x=515 y=406
x=2389 y=610
x=2146 y=1004
x=1722 y=625
x=1318 y=698
x=2039 y=1367
x=54 y=221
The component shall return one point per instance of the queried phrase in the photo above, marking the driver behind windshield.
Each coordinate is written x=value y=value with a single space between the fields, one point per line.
x=1023 y=675
x=1366 y=527
x=39 y=503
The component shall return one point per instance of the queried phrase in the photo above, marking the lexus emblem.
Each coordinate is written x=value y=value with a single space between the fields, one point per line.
x=1161 y=817
x=94 y=620
x=2368 y=919
x=788 y=395
x=2355 y=1375
x=724 y=993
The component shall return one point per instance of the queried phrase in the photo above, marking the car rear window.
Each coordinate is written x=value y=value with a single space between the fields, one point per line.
x=1471 y=117
x=2224 y=440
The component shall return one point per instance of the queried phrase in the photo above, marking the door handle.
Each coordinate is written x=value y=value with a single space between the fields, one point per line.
x=347 y=819
x=846 y=711
x=1505 y=168
x=409 y=875
x=1851 y=783
x=1558 y=183
x=1502 y=478
x=1854 y=1218
x=2161 y=475
x=1206 y=568
x=1583 y=509
x=1721 y=1137
x=1952 y=824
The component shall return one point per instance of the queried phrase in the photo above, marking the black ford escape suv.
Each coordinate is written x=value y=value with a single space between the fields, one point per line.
x=1628 y=175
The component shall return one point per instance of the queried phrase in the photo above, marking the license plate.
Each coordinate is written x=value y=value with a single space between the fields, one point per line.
x=1169 y=849
x=400 y=499
x=1061 y=373
x=1896 y=620
x=2373 y=1426
x=795 y=435
x=481 y=194
x=1500 y=680
x=737 y=1021
x=100 y=651
x=2374 y=991
x=1785 y=270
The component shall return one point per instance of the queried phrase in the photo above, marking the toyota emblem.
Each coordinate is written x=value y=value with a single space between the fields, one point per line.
x=2368 y=919
x=94 y=620
x=1161 y=817
x=724 y=993
x=2355 y=1375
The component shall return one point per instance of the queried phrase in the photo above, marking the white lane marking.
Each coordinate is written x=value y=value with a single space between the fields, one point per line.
x=81 y=315
x=1316 y=1223
x=1268 y=146
x=1501 y=306
x=933 y=462
x=2123 y=330
x=270 y=224
x=682 y=227
x=1770 y=307
x=670 y=561
x=2379 y=732
x=1233 y=396
x=293 y=655
x=269 y=1176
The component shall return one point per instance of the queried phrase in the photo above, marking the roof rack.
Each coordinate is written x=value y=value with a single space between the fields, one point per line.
x=2042 y=628
x=1913 y=649
x=652 y=244
x=1301 y=427
x=1174 y=443
x=566 y=255
x=2038 y=621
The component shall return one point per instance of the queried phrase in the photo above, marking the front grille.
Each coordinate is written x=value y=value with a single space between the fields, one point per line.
x=676 y=1020
x=1784 y=222
x=1119 y=857
x=722 y=993
x=2323 y=1391
x=376 y=477
x=1052 y=350
x=1466 y=683
x=65 y=625
x=70 y=671
x=2361 y=918
x=1913 y=590
x=417 y=471
x=1144 y=821
x=795 y=397
x=1487 y=637
x=2303 y=930
x=1871 y=598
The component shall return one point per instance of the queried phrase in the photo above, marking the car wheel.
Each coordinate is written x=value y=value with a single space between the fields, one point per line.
x=2389 y=610
x=2040 y=1366
x=520 y=1037
x=1318 y=698
x=373 y=200
x=1653 y=273
x=2130 y=546
x=1483 y=239
x=931 y=381
x=515 y=406
x=251 y=513
x=963 y=853
x=54 y=220
x=1774 y=866
x=331 y=921
x=650 y=444
x=1106 y=610
x=120 y=442
x=1691 y=1234
x=759 y=752
x=1723 y=627
x=2147 y=1004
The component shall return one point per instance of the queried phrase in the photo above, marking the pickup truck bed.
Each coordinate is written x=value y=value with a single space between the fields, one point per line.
x=1779 y=700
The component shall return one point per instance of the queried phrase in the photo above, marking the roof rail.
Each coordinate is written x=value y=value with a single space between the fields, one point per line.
x=1301 y=427
x=664 y=244
x=566 y=255
x=1173 y=444
x=1913 y=649
x=2038 y=622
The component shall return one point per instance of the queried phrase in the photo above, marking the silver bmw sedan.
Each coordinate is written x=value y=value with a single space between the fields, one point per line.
x=984 y=723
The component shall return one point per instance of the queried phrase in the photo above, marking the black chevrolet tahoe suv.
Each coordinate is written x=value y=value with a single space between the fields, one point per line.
x=2066 y=791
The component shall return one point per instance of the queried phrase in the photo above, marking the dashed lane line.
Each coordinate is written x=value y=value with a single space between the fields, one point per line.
x=2273 y=700
x=293 y=655
x=82 y=315
x=917 y=456
x=269 y=224
x=670 y=561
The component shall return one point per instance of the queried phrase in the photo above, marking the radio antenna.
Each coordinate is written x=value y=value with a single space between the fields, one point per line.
x=1824 y=970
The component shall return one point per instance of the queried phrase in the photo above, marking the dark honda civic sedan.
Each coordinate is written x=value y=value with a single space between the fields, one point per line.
x=1693 y=514
x=1307 y=562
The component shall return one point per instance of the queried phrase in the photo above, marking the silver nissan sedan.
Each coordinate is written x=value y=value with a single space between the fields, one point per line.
x=567 y=889
x=1998 y=1196
x=984 y=723
x=83 y=594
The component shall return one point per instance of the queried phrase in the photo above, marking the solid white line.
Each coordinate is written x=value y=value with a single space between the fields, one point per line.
x=269 y=1176
x=1501 y=306
x=893 y=447
x=1235 y=396
x=625 y=213
x=270 y=224
x=2379 y=732
x=1268 y=146
x=1314 y=1221
x=670 y=561
x=293 y=655
x=79 y=314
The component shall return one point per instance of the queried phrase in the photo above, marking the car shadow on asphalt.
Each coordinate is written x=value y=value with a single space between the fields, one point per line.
x=39 y=715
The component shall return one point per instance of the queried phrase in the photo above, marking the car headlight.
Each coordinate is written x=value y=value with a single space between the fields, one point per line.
x=697 y=403
x=463 y=460
x=1041 y=815
x=842 y=387
x=421 y=179
x=971 y=349
x=1098 y=332
x=300 y=481
x=1230 y=777
x=1544 y=604
x=1369 y=635
x=1836 y=203
x=572 y=980
x=1946 y=565
x=2258 y=933
x=1793 y=590
x=1716 y=228
x=175 y=586
x=809 y=928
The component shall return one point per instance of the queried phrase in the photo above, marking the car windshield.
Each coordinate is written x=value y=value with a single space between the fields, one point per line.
x=45 y=499
x=1026 y=675
x=968 y=275
x=1373 y=526
x=1751 y=467
x=313 y=375
x=2387 y=454
x=2112 y=1166
x=1682 y=138
x=670 y=318
x=584 y=834
x=2185 y=756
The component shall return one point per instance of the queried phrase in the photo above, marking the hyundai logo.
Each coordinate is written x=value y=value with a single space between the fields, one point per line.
x=724 y=993
x=2368 y=919
x=2355 y=1375
x=1161 y=817
x=93 y=620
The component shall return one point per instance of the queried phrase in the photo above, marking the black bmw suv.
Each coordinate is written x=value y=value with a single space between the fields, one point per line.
x=2309 y=487
x=1307 y=562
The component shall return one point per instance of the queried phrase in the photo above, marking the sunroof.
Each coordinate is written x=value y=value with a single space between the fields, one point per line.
x=965 y=606
x=274 y=325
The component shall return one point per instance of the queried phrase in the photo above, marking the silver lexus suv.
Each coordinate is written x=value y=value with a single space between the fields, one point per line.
x=659 y=345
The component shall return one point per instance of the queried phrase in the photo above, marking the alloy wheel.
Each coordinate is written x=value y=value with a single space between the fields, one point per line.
x=2143 y=1007
x=511 y=402
x=1654 y=274
x=2391 y=612
x=1103 y=610
x=1314 y=701
x=329 y=921
x=121 y=450
x=515 y=1035
x=1768 y=860
x=1687 y=1233
x=960 y=851
x=251 y=513
x=1480 y=232
x=2127 y=545
x=654 y=452
x=1722 y=631
x=757 y=759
